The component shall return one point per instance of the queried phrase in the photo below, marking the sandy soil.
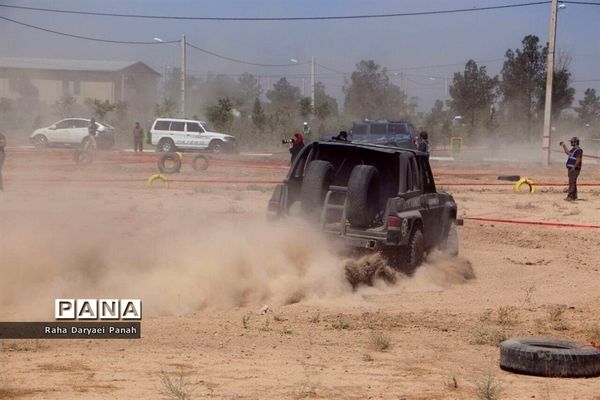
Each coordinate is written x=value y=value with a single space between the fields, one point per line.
x=204 y=261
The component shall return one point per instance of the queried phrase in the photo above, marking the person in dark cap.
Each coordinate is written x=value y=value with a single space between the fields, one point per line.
x=341 y=137
x=138 y=138
x=296 y=146
x=423 y=143
x=575 y=157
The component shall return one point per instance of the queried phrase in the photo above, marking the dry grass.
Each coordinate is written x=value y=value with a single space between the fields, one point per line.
x=491 y=338
x=451 y=382
x=315 y=318
x=341 y=322
x=556 y=318
x=525 y=206
x=246 y=320
x=380 y=342
x=507 y=316
x=367 y=357
x=487 y=388
x=177 y=388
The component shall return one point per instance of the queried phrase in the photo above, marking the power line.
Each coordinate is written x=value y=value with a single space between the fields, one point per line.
x=586 y=3
x=242 y=61
x=84 y=37
x=330 y=17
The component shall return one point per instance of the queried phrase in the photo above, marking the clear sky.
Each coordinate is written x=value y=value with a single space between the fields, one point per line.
x=401 y=44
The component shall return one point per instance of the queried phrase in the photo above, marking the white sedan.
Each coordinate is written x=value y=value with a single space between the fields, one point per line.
x=72 y=131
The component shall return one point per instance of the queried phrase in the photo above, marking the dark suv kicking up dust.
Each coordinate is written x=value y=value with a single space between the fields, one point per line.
x=372 y=198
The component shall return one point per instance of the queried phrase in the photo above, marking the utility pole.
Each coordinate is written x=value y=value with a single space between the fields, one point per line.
x=312 y=82
x=549 y=78
x=183 y=73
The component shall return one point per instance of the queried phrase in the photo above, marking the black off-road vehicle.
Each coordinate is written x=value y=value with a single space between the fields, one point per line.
x=371 y=197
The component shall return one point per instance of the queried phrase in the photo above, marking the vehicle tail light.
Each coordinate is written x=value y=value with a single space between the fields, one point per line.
x=394 y=223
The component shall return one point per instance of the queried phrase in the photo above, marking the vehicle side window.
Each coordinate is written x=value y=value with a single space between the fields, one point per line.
x=78 y=123
x=378 y=129
x=359 y=129
x=427 y=176
x=64 y=124
x=161 y=125
x=416 y=181
x=412 y=183
x=194 y=127
x=177 y=126
x=398 y=129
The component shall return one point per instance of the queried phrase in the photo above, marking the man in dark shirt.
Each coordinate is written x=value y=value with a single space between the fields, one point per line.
x=138 y=138
x=296 y=146
x=423 y=143
x=2 y=145
x=573 y=166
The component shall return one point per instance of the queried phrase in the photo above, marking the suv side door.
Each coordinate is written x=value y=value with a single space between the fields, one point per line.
x=430 y=204
x=79 y=130
x=196 y=136
x=178 y=134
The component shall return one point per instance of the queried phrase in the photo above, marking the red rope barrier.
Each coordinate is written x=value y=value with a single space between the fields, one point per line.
x=542 y=223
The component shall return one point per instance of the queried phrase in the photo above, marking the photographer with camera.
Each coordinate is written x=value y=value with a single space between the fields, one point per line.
x=296 y=145
x=573 y=165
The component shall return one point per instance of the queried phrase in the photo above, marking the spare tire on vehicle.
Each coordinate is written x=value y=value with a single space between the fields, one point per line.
x=200 y=163
x=315 y=184
x=363 y=198
x=169 y=163
x=549 y=357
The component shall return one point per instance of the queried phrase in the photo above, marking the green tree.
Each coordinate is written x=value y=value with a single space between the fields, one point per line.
x=284 y=96
x=472 y=92
x=259 y=118
x=523 y=74
x=63 y=107
x=166 y=108
x=370 y=94
x=306 y=108
x=325 y=105
x=562 y=93
x=221 y=114
x=435 y=119
x=99 y=108
x=588 y=111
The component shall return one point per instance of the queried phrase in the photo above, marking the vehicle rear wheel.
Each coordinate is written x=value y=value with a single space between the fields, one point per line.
x=315 y=185
x=407 y=258
x=40 y=141
x=363 y=196
x=169 y=163
x=216 y=146
x=166 y=146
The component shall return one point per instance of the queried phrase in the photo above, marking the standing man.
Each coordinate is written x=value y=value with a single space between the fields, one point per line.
x=296 y=146
x=2 y=145
x=306 y=131
x=423 y=143
x=573 y=166
x=90 y=144
x=138 y=138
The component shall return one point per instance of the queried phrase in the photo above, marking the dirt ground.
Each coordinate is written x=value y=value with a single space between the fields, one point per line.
x=204 y=261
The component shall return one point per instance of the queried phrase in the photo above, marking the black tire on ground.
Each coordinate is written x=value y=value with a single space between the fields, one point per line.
x=414 y=253
x=363 y=196
x=217 y=146
x=510 y=178
x=200 y=163
x=315 y=184
x=450 y=243
x=549 y=357
x=83 y=157
x=40 y=141
x=166 y=146
x=169 y=163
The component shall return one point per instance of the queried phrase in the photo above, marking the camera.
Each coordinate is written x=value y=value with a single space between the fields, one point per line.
x=287 y=141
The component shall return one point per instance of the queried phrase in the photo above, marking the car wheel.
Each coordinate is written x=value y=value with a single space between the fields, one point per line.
x=407 y=258
x=363 y=196
x=40 y=141
x=166 y=146
x=216 y=146
x=200 y=163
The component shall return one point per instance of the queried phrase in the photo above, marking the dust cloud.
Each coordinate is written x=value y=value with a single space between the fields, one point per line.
x=180 y=264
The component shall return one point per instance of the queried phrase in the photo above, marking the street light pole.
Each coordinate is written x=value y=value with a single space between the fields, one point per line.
x=183 y=73
x=549 y=79
x=312 y=82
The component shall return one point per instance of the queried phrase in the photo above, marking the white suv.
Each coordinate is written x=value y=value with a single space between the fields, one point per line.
x=170 y=134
